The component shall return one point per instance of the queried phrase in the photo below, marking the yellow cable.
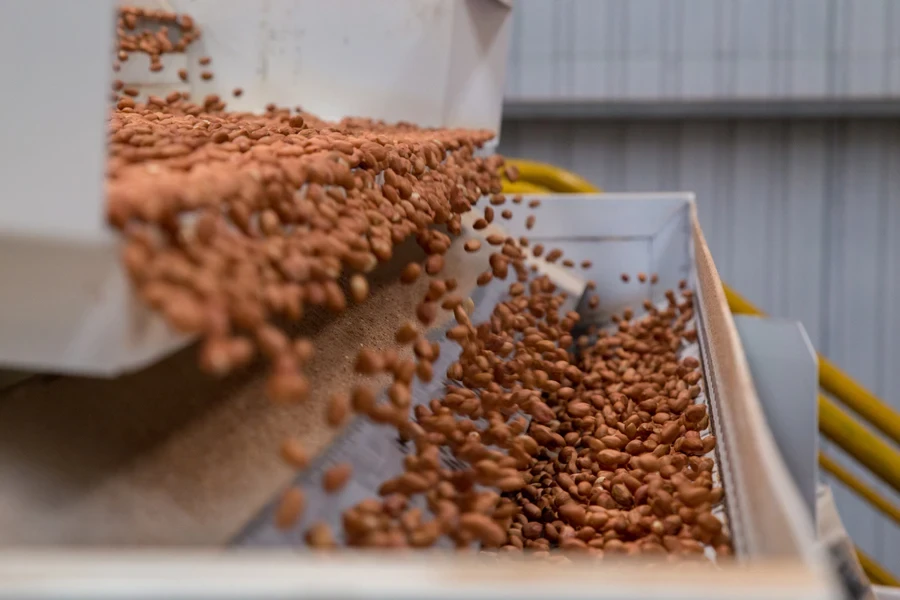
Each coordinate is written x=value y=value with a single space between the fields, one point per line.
x=859 y=399
x=523 y=187
x=553 y=178
x=860 y=443
x=877 y=574
x=854 y=396
x=860 y=487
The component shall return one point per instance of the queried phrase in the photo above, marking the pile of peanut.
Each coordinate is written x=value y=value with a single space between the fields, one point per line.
x=234 y=224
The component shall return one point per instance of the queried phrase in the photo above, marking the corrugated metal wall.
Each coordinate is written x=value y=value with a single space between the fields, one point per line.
x=800 y=214
x=705 y=49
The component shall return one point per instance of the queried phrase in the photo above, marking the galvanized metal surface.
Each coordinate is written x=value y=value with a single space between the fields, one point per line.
x=710 y=50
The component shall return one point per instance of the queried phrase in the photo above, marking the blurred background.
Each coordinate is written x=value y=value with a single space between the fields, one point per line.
x=782 y=116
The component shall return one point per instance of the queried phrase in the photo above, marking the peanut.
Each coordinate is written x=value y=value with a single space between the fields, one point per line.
x=293 y=452
x=290 y=508
x=336 y=477
x=338 y=409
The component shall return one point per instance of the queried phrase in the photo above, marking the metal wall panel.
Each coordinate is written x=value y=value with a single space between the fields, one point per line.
x=801 y=218
x=672 y=50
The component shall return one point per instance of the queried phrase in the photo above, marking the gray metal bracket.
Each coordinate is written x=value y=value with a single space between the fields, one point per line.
x=786 y=376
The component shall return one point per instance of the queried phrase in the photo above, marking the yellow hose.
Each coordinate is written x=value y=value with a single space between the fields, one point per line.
x=859 y=399
x=863 y=445
x=876 y=573
x=860 y=487
x=523 y=187
x=836 y=382
x=554 y=179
